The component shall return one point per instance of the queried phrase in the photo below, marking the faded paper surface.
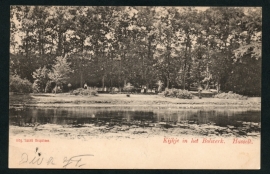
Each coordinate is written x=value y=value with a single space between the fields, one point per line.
x=138 y=153
x=186 y=144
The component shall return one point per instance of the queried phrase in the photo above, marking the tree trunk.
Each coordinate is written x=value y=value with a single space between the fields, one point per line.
x=207 y=85
x=81 y=67
x=103 y=79
x=218 y=87
x=42 y=43
x=185 y=65
x=110 y=83
x=188 y=76
x=111 y=72
x=81 y=74
x=55 y=89
x=51 y=47
x=119 y=75
x=143 y=78
x=59 y=48
x=169 y=64
x=168 y=80
x=39 y=43
x=184 y=78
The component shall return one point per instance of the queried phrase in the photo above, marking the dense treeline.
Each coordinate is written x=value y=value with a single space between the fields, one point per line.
x=111 y=46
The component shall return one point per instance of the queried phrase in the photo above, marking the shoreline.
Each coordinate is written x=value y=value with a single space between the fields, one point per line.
x=90 y=131
x=120 y=100
x=156 y=147
x=142 y=107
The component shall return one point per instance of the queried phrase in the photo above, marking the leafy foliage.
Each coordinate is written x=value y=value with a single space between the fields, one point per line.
x=36 y=87
x=82 y=91
x=128 y=87
x=230 y=95
x=50 y=85
x=178 y=93
x=109 y=46
x=60 y=71
x=16 y=84
x=41 y=77
x=57 y=89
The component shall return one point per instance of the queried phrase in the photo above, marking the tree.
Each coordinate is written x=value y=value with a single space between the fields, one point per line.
x=42 y=76
x=222 y=29
x=186 y=24
x=60 y=71
x=247 y=57
x=142 y=45
x=111 y=46
x=167 y=43
x=250 y=37
x=17 y=84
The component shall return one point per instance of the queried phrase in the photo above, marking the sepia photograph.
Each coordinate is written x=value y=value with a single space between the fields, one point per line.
x=135 y=87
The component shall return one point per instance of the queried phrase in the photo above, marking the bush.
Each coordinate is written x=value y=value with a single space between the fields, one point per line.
x=178 y=93
x=49 y=86
x=37 y=87
x=230 y=95
x=41 y=77
x=16 y=84
x=58 y=89
x=82 y=91
x=128 y=88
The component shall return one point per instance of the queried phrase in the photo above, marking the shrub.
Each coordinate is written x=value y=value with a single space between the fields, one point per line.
x=41 y=77
x=49 y=86
x=230 y=95
x=167 y=92
x=184 y=94
x=58 y=89
x=178 y=93
x=128 y=88
x=16 y=84
x=37 y=87
x=82 y=91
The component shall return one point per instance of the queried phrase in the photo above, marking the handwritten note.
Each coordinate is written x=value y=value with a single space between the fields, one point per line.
x=37 y=159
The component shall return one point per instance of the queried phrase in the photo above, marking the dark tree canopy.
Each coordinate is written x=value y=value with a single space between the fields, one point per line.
x=109 y=46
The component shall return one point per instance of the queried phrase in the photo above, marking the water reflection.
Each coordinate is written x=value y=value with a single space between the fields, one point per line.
x=112 y=116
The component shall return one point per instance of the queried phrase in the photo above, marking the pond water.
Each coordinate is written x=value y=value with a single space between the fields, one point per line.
x=90 y=115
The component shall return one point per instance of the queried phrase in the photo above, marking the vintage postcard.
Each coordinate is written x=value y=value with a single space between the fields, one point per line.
x=127 y=87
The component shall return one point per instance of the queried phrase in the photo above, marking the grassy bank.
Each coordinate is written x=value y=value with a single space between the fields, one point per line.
x=66 y=100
